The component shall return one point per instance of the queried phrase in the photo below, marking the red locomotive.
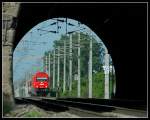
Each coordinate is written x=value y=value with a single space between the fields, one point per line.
x=40 y=84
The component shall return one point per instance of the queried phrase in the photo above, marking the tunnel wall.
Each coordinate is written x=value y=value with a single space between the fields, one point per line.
x=10 y=13
x=122 y=27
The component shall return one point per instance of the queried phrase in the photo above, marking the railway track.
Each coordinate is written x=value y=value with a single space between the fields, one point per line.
x=82 y=109
x=131 y=104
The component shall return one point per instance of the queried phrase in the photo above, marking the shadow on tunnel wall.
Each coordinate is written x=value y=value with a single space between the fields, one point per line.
x=122 y=27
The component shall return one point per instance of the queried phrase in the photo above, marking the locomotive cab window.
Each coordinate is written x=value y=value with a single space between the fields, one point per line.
x=42 y=79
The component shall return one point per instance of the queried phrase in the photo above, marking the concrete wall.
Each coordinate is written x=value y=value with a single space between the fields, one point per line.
x=9 y=15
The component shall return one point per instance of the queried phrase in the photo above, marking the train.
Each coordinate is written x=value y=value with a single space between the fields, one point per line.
x=40 y=84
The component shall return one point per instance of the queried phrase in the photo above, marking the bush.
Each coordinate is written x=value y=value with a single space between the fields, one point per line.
x=97 y=87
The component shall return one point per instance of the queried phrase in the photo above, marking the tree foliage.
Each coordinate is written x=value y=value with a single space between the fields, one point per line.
x=98 y=73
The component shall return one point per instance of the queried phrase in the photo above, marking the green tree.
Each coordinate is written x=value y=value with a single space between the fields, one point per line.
x=98 y=75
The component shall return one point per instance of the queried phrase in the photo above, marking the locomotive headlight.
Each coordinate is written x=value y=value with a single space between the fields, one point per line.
x=46 y=86
x=37 y=86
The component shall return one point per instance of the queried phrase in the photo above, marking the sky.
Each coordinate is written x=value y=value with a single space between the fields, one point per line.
x=27 y=56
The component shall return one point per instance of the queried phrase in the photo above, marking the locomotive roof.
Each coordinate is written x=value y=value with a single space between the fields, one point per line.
x=41 y=73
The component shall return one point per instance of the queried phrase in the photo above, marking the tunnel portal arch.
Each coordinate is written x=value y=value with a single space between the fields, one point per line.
x=113 y=22
x=60 y=26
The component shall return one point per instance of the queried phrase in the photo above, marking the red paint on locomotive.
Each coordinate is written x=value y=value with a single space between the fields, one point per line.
x=40 y=80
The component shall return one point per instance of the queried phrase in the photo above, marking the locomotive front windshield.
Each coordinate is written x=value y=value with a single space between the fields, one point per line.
x=41 y=79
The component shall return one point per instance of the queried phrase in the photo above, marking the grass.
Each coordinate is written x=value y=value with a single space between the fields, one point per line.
x=33 y=114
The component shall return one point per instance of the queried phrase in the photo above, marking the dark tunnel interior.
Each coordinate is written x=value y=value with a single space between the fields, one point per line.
x=122 y=28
